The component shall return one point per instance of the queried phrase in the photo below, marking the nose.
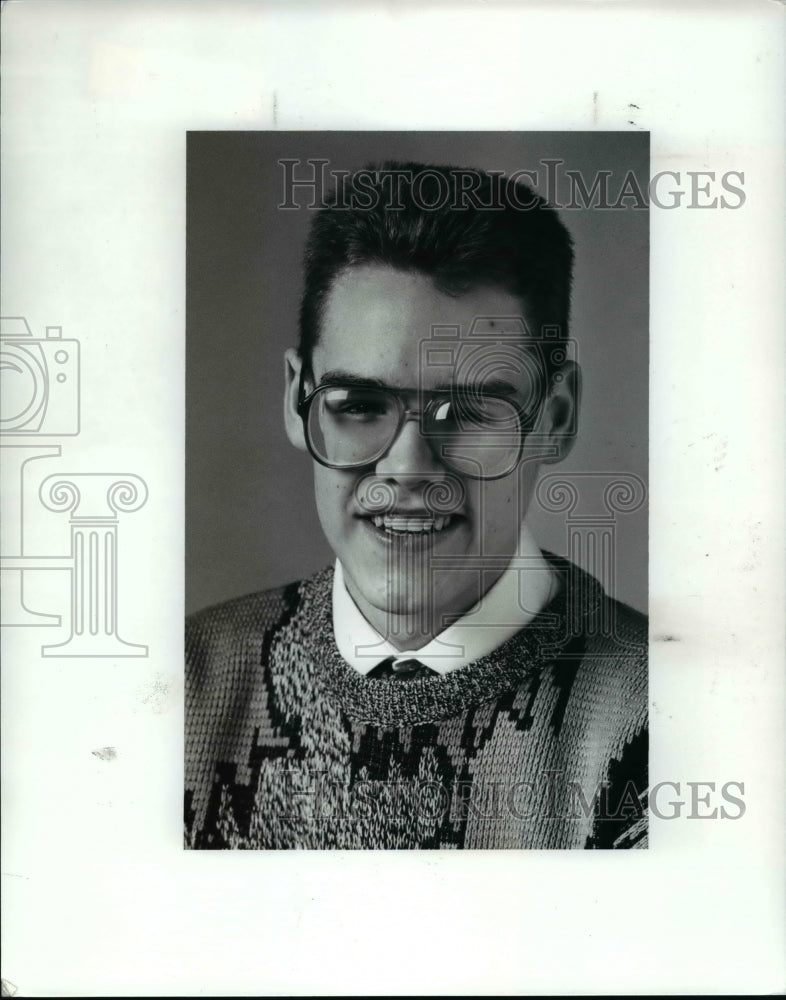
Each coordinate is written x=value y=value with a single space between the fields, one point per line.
x=410 y=458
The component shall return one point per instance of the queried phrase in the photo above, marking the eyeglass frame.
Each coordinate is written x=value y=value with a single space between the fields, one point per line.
x=406 y=413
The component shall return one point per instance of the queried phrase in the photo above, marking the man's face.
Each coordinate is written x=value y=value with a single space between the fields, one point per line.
x=375 y=321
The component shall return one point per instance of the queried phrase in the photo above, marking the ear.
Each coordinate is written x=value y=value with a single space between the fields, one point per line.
x=559 y=420
x=292 y=421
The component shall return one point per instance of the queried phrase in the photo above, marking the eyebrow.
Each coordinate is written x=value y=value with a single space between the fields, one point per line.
x=340 y=376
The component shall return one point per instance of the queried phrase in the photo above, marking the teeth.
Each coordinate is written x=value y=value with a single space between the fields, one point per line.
x=410 y=523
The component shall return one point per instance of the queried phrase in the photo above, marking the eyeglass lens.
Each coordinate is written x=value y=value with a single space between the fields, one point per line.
x=476 y=434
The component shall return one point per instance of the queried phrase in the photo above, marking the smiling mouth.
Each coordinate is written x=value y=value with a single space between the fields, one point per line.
x=412 y=524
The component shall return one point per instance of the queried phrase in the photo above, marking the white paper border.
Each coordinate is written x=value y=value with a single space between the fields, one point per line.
x=100 y=899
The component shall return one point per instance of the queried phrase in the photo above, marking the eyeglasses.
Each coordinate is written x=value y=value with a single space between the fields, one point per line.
x=475 y=433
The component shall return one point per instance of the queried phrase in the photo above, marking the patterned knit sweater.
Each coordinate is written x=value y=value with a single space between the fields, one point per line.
x=540 y=744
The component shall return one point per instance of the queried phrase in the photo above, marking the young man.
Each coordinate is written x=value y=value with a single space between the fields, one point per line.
x=446 y=684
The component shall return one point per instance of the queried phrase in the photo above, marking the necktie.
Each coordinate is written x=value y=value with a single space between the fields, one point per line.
x=392 y=669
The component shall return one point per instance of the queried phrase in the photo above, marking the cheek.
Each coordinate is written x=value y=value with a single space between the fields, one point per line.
x=501 y=508
x=501 y=515
x=527 y=482
x=332 y=492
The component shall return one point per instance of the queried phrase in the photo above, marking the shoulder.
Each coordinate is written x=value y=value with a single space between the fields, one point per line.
x=225 y=637
x=604 y=649
x=630 y=625
x=240 y=615
x=619 y=633
x=608 y=625
x=615 y=653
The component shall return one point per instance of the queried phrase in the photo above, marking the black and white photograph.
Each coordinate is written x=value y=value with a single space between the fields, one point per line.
x=413 y=345
x=391 y=481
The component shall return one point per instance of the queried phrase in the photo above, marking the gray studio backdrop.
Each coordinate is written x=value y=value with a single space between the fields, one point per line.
x=250 y=517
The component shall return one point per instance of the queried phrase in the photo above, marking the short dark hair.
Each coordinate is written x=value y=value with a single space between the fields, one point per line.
x=494 y=231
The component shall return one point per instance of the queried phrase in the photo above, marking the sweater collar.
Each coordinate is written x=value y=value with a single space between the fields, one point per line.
x=430 y=699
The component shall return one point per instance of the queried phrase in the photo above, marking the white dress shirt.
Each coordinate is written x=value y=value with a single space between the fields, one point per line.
x=524 y=589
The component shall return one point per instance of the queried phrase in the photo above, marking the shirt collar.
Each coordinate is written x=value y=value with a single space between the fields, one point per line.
x=525 y=587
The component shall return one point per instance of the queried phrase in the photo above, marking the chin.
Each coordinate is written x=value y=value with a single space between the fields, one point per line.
x=414 y=605
x=400 y=603
x=398 y=599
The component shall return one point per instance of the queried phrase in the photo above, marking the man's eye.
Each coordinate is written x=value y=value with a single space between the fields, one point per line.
x=364 y=407
x=479 y=412
x=474 y=410
x=360 y=409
